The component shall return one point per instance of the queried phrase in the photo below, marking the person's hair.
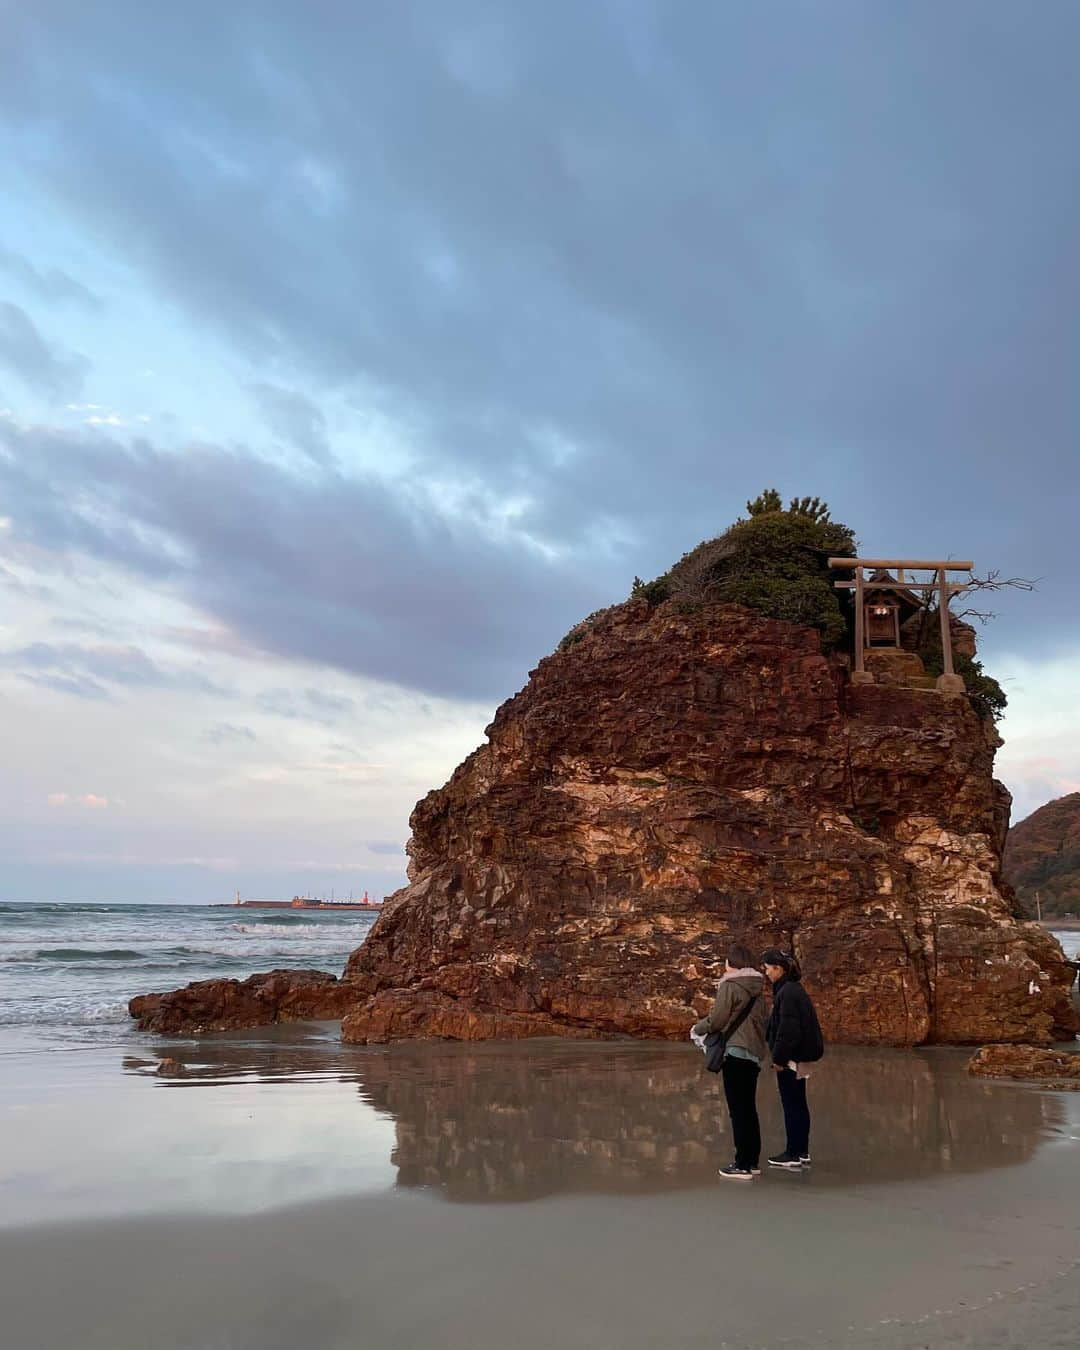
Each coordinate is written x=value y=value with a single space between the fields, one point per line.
x=739 y=956
x=775 y=957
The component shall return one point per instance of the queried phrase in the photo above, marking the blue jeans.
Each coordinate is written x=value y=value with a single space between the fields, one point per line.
x=796 y=1111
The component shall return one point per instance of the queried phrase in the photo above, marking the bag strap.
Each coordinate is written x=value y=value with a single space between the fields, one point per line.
x=740 y=1017
x=737 y=1021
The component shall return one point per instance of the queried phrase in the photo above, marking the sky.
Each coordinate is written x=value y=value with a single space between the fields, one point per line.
x=350 y=354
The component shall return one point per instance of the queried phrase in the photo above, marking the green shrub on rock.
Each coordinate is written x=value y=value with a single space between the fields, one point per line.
x=776 y=562
x=987 y=696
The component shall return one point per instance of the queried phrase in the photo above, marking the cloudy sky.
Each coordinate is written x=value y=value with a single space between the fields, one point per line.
x=350 y=353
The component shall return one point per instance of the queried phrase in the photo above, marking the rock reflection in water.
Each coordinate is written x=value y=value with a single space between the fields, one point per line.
x=520 y=1122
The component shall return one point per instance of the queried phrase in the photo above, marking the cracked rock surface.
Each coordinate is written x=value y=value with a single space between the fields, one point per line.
x=679 y=777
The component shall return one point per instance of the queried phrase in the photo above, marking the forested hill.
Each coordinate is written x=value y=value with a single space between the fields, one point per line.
x=1042 y=855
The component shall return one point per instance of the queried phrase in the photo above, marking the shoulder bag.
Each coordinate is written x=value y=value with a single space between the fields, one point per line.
x=716 y=1041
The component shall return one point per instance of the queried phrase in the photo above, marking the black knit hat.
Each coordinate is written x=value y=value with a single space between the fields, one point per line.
x=775 y=957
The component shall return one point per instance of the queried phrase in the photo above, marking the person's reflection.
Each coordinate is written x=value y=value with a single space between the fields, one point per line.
x=521 y=1121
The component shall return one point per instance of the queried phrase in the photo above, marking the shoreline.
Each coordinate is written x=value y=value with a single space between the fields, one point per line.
x=389 y=1272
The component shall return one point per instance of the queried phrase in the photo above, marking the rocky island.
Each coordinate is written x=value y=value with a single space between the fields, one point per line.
x=699 y=763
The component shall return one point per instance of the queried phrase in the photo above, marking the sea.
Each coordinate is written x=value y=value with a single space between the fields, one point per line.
x=68 y=970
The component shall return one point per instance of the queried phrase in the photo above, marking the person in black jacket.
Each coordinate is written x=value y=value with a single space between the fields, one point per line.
x=794 y=1039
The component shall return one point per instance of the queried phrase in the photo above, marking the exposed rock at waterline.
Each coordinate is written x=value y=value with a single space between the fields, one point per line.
x=221 y=1005
x=1049 y=1068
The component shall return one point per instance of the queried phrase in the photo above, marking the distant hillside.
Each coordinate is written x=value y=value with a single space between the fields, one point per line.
x=1042 y=854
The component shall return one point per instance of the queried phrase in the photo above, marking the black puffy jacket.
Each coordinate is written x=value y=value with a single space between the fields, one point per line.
x=794 y=1032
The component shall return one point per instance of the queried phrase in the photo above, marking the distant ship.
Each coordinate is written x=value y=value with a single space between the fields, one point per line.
x=304 y=902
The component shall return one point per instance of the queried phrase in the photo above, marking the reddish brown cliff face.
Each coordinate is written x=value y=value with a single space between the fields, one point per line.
x=673 y=780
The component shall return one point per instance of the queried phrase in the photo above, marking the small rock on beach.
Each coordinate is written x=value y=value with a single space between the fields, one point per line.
x=1027 y=1063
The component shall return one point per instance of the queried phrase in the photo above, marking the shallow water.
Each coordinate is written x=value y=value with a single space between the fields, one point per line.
x=260 y=1119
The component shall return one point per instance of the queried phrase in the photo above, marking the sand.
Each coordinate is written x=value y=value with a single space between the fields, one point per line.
x=289 y=1192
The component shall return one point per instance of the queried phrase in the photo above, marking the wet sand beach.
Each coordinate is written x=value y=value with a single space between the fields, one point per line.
x=289 y=1191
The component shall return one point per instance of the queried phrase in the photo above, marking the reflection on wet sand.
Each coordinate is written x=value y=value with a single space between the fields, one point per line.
x=513 y=1127
x=522 y=1120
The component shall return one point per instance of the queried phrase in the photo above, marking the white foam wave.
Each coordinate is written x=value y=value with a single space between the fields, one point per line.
x=338 y=934
x=63 y=1012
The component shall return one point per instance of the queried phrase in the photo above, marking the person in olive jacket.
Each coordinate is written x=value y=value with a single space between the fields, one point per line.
x=740 y=987
x=795 y=1041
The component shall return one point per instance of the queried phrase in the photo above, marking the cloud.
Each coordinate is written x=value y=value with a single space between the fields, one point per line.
x=91 y=800
x=333 y=772
x=1041 y=755
x=331 y=705
x=51 y=285
x=39 y=365
x=390 y=580
x=389 y=847
x=79 y=623
x=601 y=279
x=99 y=416
x=581 y=280
x=13 y=582
x=226 y=733
x=95 y=672
x=295 y=420
x=77 y=686
x=310 y=705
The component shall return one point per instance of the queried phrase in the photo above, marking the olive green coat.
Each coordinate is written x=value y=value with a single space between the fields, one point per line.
x=731 y=993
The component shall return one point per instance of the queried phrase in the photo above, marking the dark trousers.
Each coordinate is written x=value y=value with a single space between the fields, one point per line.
x=740 y=1089
x=796 y=1111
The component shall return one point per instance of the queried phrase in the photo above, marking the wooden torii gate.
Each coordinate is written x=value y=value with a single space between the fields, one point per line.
x=940 y=582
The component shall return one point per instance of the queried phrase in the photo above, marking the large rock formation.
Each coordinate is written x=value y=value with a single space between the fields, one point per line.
x=1042 y=856
x=687 y=773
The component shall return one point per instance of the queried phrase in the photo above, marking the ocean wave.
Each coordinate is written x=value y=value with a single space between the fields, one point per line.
x=337 y=933
x=65 y=1013
x=246 y=945
x=77 y=966
x=284 y=921
x=19 y=907
x=74 y=954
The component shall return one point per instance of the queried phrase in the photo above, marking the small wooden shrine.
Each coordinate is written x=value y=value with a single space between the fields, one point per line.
x=889 y=608
x=888 y=592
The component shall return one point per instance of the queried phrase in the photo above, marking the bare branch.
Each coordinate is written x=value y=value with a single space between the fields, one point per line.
x=992 y=582
x=979 y=615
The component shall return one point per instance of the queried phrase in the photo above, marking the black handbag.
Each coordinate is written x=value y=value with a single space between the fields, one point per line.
x=716 y=1041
